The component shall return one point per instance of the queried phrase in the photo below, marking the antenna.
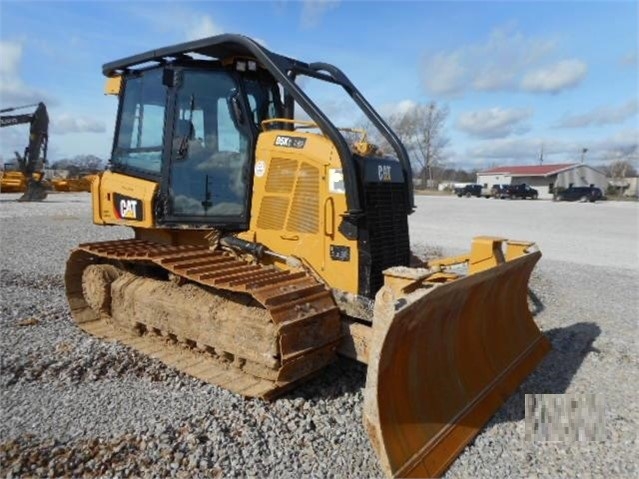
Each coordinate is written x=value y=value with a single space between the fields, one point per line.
x=583 y=154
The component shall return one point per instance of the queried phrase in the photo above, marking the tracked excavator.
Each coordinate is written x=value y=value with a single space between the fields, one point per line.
x=265 y=246
x=29 y=177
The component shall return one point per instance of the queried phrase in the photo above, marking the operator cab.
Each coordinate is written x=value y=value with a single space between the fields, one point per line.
x=198 y=106
x=192 y=127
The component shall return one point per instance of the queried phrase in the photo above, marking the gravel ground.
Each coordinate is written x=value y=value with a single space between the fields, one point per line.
x=73 y=405
x=597 y=234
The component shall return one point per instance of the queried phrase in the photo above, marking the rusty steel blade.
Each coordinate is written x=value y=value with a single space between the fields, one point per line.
x=443 y=360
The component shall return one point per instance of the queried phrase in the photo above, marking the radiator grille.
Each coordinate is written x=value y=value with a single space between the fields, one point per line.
x=281 y=175
x=304 y=215
x=387 y=225
x=272 y=213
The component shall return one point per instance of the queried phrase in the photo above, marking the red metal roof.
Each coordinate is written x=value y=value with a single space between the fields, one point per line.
x=531 y=170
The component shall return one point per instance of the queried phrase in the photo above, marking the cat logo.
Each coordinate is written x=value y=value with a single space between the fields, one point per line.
x=384 y=172
x=127 y=208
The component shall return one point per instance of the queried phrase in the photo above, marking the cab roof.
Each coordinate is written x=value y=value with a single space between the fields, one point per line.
x=217 y=47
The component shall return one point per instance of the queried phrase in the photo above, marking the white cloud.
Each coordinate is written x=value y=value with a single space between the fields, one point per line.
x=67 y=123
x=445 y=73
x=493 y=122
x=261 y=41
x=603 y=115
x=13 y=90
x=497 y=63
x=622 y=145
x=518 y=149
x=68 y=135
x=201 y=26
x=554 y=78
x=11 y=53
x=399 y=108
x=13 y=139
x=185 y=22
x=314 y=10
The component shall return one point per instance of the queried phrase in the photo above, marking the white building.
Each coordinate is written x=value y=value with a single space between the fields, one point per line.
x=544 y=178
x=627 y=186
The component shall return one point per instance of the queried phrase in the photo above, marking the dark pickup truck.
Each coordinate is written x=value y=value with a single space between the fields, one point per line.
x=472 y=190
x=579 y=193
x=499 y=191
x=521 y=191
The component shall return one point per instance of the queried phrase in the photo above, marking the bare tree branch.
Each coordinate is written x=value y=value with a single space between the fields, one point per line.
x=421 y=129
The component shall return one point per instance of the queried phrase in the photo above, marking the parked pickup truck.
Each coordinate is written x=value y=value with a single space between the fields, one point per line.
x=579 y=193
x=521 y=191
x=499 y=191
x=473 y=190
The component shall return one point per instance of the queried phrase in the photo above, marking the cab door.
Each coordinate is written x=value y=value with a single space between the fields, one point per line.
x=208 y=177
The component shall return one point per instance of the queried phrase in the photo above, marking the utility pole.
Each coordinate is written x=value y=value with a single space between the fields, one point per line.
x=583 y=154
x=541 y=155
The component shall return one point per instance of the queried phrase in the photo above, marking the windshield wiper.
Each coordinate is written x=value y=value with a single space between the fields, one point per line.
x=183 y=148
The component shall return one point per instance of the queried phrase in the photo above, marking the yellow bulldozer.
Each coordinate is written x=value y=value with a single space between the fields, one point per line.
x=265 y=246
x=13 y=181
x=81 y=183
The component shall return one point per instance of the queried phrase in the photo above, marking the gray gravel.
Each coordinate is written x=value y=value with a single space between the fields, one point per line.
x=73 y=405
x=604 y=233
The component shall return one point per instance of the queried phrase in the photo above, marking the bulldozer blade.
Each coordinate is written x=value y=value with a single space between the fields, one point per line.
x=443 y=359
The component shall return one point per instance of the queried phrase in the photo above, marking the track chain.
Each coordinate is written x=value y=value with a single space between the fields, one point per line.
x=301 y=307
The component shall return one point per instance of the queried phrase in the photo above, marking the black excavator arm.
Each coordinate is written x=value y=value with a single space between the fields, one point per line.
x=36 y=149
x=10 y=120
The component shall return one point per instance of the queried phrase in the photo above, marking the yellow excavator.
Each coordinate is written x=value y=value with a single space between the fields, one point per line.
x=265 y=246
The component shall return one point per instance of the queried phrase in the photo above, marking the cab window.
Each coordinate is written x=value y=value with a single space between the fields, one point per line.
x=141 y=129
x=263 y=100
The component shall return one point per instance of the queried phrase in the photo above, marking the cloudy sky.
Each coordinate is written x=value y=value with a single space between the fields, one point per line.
x=514 y=75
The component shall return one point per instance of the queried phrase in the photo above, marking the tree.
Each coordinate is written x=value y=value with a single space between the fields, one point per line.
x=421 y=129
x=80 y=163
x=622 y=169
x=618 y=169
